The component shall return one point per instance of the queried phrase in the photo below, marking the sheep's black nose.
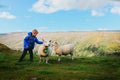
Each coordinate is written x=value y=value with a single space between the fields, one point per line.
x=46 y=46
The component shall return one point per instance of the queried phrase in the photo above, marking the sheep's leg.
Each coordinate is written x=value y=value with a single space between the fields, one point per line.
x=44 y=59
x=40 y=59
x=72 y=57
x=59 y=58
x=47 y=58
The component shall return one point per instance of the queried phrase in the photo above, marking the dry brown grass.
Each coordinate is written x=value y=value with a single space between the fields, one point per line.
x=86 y=43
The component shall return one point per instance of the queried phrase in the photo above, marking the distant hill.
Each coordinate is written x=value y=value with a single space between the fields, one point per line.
x=87 y=43
x=109 y=30
x=3 y=47
x=3 y=34
x=6 y=49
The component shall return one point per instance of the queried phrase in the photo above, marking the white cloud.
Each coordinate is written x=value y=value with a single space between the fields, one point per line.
x=102 y=29
x=51 y=6
x=91 y=4
x=7 y=15
x=115 y=10
x=97 y=13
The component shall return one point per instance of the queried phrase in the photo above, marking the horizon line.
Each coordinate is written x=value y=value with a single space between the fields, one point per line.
x=60 y=31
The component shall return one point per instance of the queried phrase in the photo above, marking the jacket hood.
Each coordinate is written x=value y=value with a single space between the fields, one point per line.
x=29 y=33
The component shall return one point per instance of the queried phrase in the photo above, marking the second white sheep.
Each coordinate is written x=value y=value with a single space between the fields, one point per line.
x=63 y=50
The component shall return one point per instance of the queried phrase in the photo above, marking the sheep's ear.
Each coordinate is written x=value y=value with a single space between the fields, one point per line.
x=56 y=43
x=50 y=40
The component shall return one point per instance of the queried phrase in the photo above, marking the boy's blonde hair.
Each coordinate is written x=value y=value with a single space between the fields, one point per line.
x=35 y=31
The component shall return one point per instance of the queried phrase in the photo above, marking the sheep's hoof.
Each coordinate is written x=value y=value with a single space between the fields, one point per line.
x=72 y=59
x=48 y=63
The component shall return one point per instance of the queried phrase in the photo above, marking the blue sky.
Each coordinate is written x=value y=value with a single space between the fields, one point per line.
x=59 y=15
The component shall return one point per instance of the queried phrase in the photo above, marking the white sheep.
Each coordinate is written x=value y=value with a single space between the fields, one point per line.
x=63 y=50
x=45 y=50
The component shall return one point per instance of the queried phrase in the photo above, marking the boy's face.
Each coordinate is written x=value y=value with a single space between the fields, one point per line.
x=34 y=33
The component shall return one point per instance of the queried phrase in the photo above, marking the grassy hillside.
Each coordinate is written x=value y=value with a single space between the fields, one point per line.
x=4 y=49
x=86 y=43
x=94 y=68
x=81 y=68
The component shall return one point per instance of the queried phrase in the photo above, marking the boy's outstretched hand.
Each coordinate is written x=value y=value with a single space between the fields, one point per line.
x=43 y=40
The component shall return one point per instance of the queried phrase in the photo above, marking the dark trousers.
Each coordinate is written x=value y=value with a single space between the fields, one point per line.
x=25 y=52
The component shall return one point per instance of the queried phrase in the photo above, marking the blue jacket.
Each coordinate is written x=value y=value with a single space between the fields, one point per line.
x=30 y=41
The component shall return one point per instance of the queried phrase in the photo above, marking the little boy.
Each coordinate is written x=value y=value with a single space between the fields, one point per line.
x=29 y=43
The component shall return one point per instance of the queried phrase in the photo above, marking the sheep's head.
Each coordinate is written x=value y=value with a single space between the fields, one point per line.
x=54 y=43
x=47 y=43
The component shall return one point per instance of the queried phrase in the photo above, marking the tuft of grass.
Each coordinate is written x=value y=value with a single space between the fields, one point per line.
x=45 y=72
x=81 y=67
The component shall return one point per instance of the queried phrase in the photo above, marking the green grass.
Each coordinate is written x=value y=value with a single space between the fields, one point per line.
x=82 y=68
